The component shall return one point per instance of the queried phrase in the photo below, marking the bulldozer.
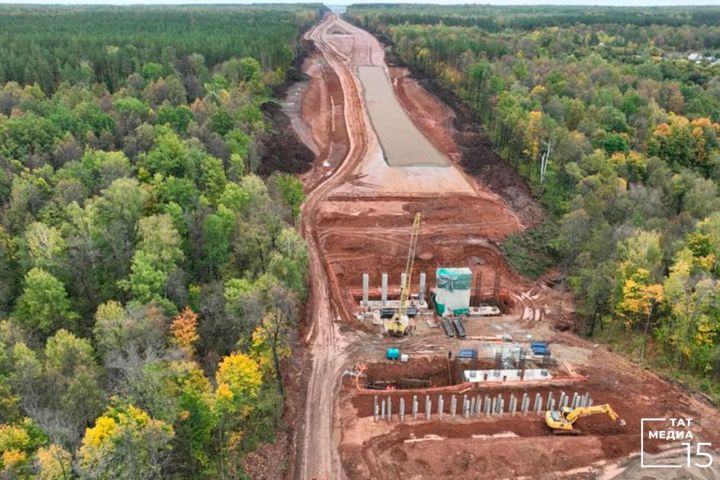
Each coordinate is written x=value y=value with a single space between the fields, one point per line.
x=399 y=324
x=563 y=421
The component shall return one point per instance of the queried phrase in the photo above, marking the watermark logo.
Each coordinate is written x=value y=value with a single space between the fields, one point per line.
x=674 y=431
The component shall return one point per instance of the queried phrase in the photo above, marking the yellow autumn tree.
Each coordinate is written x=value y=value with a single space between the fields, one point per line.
x=450 y=74
x=54 y=463
x=263 y=339
x=638 y=297
x=705 y=134
x=423 y=55
x=538 y=91
x=239 y=375
x=707 y=331
x=184 y=330
x=18 y=443
x=125 y=443
x=13 y=461
x=533 y=134
x=632 y=164
x=239 y=380
x=641 y=250
x=13 y=437
x=691 y=295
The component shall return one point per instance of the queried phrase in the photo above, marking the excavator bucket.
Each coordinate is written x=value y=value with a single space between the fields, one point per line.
x=621 y=422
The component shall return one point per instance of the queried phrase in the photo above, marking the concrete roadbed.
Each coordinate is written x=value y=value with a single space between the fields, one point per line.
x=402 y=143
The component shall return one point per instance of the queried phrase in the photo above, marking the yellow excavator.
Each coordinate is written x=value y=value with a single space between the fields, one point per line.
x=562 y=421
x=399 y=323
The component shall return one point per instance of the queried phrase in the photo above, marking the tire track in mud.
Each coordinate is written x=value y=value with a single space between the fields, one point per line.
x=319 y=457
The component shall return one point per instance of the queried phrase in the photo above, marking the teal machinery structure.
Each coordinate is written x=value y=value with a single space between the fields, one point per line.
x=452 y=294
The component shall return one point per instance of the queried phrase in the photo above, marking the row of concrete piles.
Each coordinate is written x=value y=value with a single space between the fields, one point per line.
x=384 y=288
x=476 y=405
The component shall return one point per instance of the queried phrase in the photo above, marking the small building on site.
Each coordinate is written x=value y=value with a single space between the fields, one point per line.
x=452 y=293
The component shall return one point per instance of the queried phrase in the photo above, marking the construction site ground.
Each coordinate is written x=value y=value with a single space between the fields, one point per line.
x=357 y=219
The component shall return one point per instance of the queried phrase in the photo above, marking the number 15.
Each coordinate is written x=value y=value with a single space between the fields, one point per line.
x=698 y=453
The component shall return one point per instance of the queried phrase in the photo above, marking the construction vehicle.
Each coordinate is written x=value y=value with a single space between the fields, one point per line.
x=399 y=323
x=562 y=421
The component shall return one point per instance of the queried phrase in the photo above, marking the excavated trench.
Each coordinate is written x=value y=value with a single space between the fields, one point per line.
x=426 y=372
x=421 y=373
x=496 y=446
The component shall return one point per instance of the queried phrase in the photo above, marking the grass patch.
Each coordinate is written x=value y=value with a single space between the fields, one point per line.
x=531 y=252
x=629 y=345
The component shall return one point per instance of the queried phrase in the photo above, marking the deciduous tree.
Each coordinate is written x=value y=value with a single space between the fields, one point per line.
x=125 y=443
x=44 y=305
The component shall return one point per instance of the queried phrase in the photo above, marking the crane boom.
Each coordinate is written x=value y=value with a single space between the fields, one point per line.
x=409 y=264
x=399 y=322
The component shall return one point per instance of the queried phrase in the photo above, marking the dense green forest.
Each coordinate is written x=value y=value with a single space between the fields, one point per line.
x=492 y=18
x=48 y=46
x=149 y=279
x=612 y=115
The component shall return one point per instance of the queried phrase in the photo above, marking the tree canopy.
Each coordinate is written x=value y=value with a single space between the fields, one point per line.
x=130 y=140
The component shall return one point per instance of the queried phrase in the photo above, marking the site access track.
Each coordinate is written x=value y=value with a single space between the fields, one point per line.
x=319 y=457
x=362 y=185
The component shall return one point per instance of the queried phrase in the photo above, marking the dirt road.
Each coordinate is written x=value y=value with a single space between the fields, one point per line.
x=319 y=455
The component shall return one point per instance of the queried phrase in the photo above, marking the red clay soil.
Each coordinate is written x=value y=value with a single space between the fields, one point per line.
x=369 y=234
x=393 y=457
x=321 y=109
x=381 y=253
x=317 y=454
x=433 y=369
x=532 y=450
x=357 y=220
x=440 y=372
x=630 y=407
x=350 y=233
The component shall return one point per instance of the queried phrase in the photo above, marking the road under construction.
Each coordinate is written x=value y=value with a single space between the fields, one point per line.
x=363 y=193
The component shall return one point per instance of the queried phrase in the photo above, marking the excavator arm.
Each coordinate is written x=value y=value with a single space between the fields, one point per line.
x=595 y=409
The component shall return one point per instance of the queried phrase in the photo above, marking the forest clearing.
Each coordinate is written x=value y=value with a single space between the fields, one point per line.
x=366 y=242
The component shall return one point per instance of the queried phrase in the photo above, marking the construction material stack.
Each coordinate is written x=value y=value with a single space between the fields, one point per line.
x=540 y=349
